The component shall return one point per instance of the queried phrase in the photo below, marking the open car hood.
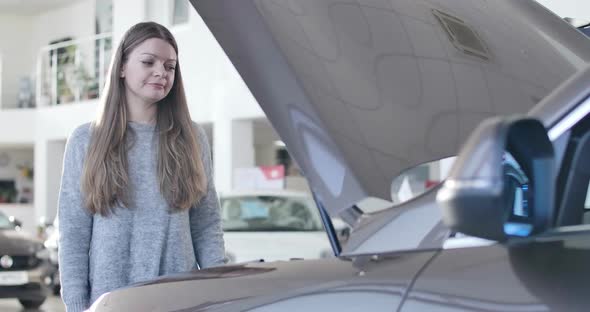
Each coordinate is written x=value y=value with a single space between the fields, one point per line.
x=362 y=90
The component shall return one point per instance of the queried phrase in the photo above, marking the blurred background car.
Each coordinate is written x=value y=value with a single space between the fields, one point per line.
x=25 y=271
x=582 y=24
x=585 y=29
x=272 y=225
x=51 y=243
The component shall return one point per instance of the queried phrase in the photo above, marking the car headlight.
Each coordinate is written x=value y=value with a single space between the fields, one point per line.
x=50 y=244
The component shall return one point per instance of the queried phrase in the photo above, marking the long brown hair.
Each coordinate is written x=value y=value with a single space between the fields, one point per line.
x=105 y=180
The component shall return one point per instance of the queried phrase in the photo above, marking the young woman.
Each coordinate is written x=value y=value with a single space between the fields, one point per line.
x=137 y=198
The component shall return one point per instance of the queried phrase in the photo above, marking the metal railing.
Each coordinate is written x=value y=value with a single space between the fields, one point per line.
x=73 y=70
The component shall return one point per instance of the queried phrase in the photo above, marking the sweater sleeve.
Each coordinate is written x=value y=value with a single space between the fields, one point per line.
x=206 y=231
x=75 y=228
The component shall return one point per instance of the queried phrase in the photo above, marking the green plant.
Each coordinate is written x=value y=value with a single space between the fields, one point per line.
x=65 y=61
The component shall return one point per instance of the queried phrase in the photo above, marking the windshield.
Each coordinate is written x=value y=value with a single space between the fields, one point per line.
x=269 y=213
x=5 y=222
x=419 y=179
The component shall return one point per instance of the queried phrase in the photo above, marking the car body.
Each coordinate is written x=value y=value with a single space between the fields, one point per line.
x=272 y=225
x=363 y=91
x=582 y=25
x=25 y=272
x=51 y=243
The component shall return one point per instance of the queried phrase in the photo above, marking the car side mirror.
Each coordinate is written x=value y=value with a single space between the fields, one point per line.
x=501 y=184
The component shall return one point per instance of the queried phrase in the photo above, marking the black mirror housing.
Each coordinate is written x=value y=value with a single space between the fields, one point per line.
x=482 y=192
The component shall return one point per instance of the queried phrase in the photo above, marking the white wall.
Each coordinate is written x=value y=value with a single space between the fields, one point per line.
x=17 y=55
x=568 y=8
x=17 y=126
x=56 y=123
x=125 y=14
x=55 y=155
x=157 y=11
x=76 y=20
x=265 y=154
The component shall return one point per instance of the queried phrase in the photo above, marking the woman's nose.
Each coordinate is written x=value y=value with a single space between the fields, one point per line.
x=160 y=72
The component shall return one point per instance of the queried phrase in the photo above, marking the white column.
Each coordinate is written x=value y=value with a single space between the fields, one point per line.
x=40 y=183
x=55 y=154
x=243 y=144
x=233 y=147
x=48 y=168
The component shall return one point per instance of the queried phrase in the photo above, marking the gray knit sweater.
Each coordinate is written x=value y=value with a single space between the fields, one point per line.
x=100 y=254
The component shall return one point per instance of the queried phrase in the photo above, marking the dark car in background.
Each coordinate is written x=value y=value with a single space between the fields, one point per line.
x=25 y=271
x=363 y=92
x=582 y=25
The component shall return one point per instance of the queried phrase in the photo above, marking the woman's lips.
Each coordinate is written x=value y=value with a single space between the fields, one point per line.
x=156 y=85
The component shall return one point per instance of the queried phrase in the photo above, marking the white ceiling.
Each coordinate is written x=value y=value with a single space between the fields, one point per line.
x=30 y=7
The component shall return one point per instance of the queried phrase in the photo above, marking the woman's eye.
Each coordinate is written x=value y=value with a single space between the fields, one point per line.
x=171 y=68
x=147 y=62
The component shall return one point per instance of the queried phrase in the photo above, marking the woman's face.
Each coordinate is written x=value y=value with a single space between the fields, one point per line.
x=148 y=73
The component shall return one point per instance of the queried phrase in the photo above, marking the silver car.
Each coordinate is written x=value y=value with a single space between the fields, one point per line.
x=271 y=225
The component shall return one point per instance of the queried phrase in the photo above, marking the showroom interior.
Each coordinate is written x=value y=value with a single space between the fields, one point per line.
x=54 y=57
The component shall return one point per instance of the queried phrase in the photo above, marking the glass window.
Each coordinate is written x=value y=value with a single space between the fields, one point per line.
x=104 y=16
x=179 y=12
x=268 y=213
x=5 y=222
x=417 y=180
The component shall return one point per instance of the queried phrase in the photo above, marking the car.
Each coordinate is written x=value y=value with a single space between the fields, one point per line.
x=585 y=29
x=51 y=243
x=582 y=25
x=25 y=272
x=364 y=92
x=271 y=225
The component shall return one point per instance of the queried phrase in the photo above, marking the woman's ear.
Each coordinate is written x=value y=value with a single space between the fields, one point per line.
x=122 y=73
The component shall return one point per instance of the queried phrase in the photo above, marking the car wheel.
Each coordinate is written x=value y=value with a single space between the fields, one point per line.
x=31 y=304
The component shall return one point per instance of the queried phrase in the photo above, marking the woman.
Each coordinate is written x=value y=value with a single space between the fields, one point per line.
x=137 y=198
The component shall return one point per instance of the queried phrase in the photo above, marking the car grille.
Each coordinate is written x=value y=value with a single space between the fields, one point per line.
x=22 y=263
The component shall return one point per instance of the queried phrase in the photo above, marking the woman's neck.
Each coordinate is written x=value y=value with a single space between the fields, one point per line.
x=142 y=113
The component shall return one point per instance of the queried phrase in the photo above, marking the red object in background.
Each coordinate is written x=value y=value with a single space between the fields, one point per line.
x=273 y=172
x=430 y=183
